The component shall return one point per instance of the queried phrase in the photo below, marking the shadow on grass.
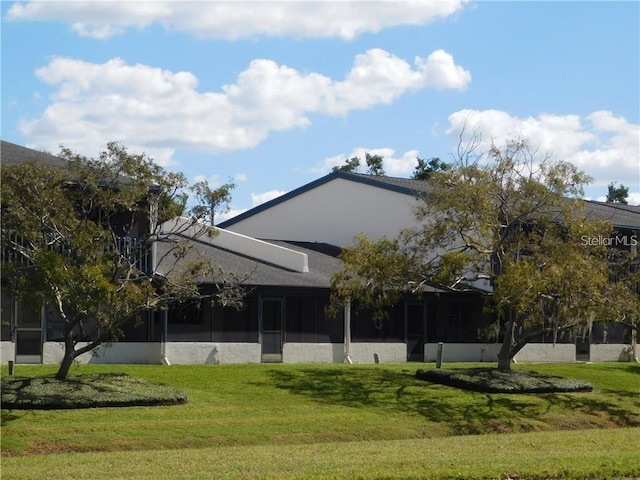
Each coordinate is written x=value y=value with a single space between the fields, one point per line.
x=463 y=412
x=633 y=368
x=9 y=416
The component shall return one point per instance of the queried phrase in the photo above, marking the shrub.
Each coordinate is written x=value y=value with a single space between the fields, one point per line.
x=491 y=380
x=85 y=391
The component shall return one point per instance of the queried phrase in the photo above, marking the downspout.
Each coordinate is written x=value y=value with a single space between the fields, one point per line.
x=347 y=333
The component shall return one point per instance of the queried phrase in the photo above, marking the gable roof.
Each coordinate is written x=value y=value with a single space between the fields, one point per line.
x=620 y=215
x=405 y=186
x=12 y=154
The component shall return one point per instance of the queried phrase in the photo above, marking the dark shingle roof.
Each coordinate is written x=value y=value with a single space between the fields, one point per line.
x=12 y=154
x=322 y=266
x=620 y=215
x=397 y=184
x=623 y=216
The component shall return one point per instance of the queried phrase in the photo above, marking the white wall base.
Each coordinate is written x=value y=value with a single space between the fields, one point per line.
x=7 y=352
x=313 y=353
x=178 y=353
x=547 y=352
x=334 y=352
x=463 y=352
x=387 y=352
x=614 y=352
x=195 y=353
x=192 y=353
x=117 y=352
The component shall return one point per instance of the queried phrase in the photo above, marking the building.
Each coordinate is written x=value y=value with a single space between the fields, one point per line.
x=286 y=252
x=336 y=207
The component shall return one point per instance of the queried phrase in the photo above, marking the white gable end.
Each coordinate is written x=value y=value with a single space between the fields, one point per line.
x=333 y=213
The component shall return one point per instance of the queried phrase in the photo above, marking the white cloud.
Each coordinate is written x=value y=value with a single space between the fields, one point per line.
x=226 y=20
x=634 y=198
x=601 y=144
x=402 y=166
x=379 y=77
x=233 y=212
x=213 y=180
x=260 y=198
x=161 y=110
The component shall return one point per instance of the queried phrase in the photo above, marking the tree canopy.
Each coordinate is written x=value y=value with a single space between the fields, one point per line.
x=81 y=240
x=375 y=166
x=211 y=200
x=507 y=222
x=617 y=194
x=352 y=165
x=424 y=169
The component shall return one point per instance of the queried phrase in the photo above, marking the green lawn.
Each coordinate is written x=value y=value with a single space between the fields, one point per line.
x=334 y=421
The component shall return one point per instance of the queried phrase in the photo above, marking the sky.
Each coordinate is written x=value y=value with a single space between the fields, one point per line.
x=271 y=95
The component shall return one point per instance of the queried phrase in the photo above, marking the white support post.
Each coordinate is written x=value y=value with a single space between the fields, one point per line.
x=347 y=333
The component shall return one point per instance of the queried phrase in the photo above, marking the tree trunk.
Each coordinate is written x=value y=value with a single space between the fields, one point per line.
x=67 y=360
x=70 y=354
x=65 y=365
x=504 y=356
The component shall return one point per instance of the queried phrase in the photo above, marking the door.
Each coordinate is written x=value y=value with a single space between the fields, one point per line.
x=583 y=347
x=415 y=328
x=28 y=334
x=272 y=323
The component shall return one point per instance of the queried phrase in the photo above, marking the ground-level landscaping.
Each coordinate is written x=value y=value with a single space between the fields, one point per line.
x=334 y=421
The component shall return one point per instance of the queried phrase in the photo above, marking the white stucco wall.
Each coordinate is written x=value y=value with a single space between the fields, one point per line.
x=387 y=352
x=196 y=353
x=313 y=353
x=7 y=352
x=547 y=352
x=614 y=352
x=463 y=352
x=333 y=213
x=117 y=352
x=178 y=353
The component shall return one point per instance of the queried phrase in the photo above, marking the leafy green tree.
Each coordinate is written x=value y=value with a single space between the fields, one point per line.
x=617 y=194
x=507 y=223
x=78 y=237
x=212 y=200
x=424 y=169
x=374 y=162
x=352 y=165
x=374 y=165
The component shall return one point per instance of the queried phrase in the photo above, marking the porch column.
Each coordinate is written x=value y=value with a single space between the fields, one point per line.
x=347 y=333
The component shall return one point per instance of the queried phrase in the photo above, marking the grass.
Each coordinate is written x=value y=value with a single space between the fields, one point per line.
x=602 y=454
x=334 y=421
x=86 y=391
x=491 y=380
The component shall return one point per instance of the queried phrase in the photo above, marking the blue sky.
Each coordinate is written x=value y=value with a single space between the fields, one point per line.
x=272 y=95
